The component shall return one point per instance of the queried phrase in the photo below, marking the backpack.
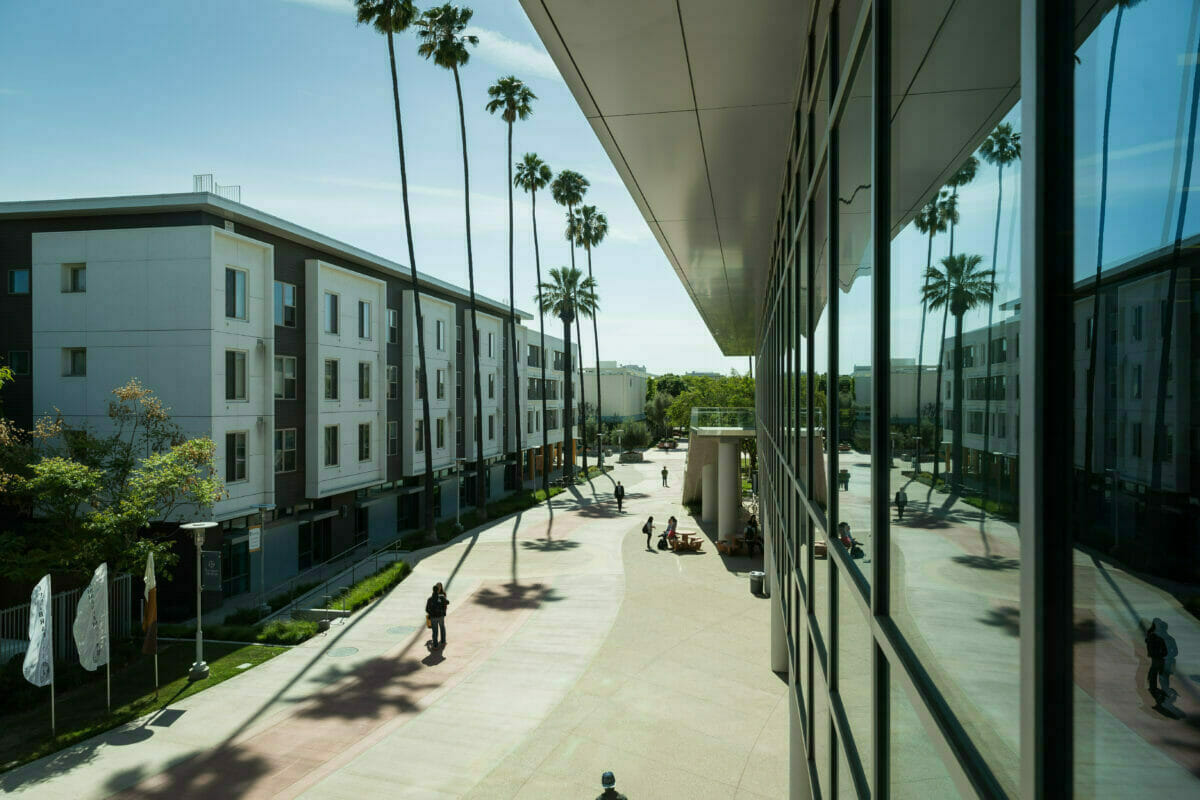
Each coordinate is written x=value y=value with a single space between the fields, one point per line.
x=646 y=529
x=1156 y=647
x=662 y=543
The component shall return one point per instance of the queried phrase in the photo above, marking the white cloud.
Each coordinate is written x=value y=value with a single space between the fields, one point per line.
x=523 y=59
x=342 y=6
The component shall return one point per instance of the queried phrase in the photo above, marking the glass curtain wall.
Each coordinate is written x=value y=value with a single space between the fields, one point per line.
x=919 y=692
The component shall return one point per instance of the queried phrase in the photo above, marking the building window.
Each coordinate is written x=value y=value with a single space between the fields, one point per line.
x=235 y=457
x=529 y=426
x=419 y=435
x=458 y=341
x=441 y=334
x=331 y=312
x=441 y=432
x=285 y=304
x=491 y=427
x=364 y=441
x=1135 y=442
x=364 y=319
x=1136 y=382
x=235 y=293
x=18 y=281
x=393 y=442
x=491 y=386
x=74 y=278
x=458 y=384
x=364 y=380
x=75 y=362
x=491 y=345
x=393 y=382
x=393 y=318
x=285 y=377
x=331 y=379
x=235 y=375
x=285 y=450
x=533 y=357
x=538 y=419
x=1136 y=326
x=441 y=384
x=18 y=360
x=331 y=445
x=419 y=380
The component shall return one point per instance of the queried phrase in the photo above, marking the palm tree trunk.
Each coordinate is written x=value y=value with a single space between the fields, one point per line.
x=568 y=411
x=921 y=347
x=537 y=260
x=959 y=415
x=596 y=340
x=937 y=406
x=1090 y=413
x=480 y=467
x=582 y=423
x=986 y=455
x=512 y=331
x=1168 y=322
x=427 y=510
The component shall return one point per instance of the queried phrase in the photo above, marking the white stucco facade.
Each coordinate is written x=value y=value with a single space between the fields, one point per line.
x=622 y=388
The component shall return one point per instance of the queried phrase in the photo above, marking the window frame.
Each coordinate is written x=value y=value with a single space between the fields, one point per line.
x=232 y=460
x=364 y=320
x=242 y=357
x=331 y=391
x=70 y=370
x=281 y=450
x=393 y=437
x=239 y=293
x=11 y=362
x=393 y=381
x=364 y=386
x=364 y=441
x=393 y=325
x=331 y=310
x=335 y=450
x=282 y=306
x=280 y=374
x=10 y=284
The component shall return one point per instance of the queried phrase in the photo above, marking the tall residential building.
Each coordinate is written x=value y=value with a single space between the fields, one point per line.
x=296 y=353
x=622 y=390
x=998 y=640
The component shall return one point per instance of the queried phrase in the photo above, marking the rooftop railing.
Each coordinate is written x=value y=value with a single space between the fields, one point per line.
x=725 y=418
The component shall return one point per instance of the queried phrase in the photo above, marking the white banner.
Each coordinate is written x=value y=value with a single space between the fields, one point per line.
x=91 y=621
x=39 y=658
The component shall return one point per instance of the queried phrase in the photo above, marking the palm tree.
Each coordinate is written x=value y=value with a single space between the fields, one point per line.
x=958 y=287
x=1089 y=416
x=442 y=39
x=391 y=17
x=928 y=220
x=533 y=174
x=568 y=190
x=1002 y=147
x=567 y=295
x=590 y=227
x=514 y=97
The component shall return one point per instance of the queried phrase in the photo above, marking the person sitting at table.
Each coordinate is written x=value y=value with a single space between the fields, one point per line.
x=852 y=545
x=672 y=539
x=750 y=535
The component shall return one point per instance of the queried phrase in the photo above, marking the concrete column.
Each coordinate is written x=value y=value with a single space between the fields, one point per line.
x=729 y=490
x=798 y=786
x=708 y=493
x=772 y=580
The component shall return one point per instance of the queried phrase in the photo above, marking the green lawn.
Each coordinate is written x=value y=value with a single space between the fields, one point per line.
x=25 y=734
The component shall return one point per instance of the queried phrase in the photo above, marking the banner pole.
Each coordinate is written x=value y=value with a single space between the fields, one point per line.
x=108 y=685
x=156 y=672
x=53 y=719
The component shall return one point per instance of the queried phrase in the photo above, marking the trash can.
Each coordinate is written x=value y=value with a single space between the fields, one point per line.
x=756 y=582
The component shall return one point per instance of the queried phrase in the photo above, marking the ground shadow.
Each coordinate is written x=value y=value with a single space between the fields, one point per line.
x=737 y=565
x=227 y=771
x=380 y=687
x=1008 y=618
x=995 y=563
x=549 y=545
x=516 y=596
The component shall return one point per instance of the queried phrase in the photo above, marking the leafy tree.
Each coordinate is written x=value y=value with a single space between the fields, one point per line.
x=392 y=17
x=656 y=413
x=441 y=31
x=513 y=99
x=673 y=385
x=566 y=295
x=104 y=497
x=635 y=436
x=532 y=175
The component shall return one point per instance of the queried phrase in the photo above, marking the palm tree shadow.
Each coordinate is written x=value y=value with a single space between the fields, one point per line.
x=381 y=687
x=1008 y=618
x=549 y=545
x=987 y=562
x=517 y=596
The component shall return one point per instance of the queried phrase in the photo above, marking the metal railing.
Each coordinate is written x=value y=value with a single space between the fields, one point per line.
x=734 y=417
x=14 y=621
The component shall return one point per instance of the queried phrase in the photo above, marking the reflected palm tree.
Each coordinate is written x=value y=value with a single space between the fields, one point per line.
x=513 y=99
x=532 y=175
x=929 y=220
x=443 y=39
x=958 y=287
x=1001 y=148
x=567 y=295
x=391 y=17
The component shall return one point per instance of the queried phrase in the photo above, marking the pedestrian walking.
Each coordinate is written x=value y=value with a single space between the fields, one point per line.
x=1156 y=648
x=664 y=474
x=435 y=610
x=619 y=493
x=901 y=502
x=609 y=783
x=648 y=529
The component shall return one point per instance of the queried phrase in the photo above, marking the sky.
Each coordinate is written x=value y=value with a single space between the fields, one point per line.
x=291 y=100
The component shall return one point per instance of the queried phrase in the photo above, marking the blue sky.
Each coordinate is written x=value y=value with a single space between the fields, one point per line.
x=292 y=100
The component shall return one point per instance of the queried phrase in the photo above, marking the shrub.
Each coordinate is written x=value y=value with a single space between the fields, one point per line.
x=276 y=632
x=364 y=591
x=243 y=616
x=636 y=436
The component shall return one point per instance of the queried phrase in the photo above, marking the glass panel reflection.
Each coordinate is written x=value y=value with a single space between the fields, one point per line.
x=1136 y=403
x=854 y=674
x=914 y=770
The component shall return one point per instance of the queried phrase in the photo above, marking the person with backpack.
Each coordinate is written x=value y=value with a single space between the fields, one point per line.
x=1156 y=648
x=609 y=783
x=901 y=502
x=648 y=529
x=619 y=493
x=435 y=610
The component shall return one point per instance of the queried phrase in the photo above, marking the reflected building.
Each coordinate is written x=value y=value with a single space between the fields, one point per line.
x=1002 y=190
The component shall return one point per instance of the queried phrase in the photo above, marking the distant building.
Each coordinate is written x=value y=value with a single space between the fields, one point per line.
x=705 y=375
x=622 y=390
x=903 y=388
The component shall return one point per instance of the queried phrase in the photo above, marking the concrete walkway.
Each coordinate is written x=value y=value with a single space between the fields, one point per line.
x=572 y=650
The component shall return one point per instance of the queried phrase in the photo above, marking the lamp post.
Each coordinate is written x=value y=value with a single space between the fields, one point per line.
x=199 y=530
x=263 y=508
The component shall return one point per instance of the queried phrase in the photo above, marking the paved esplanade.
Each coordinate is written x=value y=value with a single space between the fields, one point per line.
x=572 y=650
